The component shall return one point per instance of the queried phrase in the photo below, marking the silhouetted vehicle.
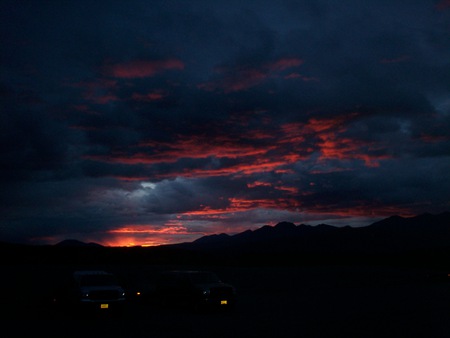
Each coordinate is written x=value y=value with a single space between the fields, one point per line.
x=91 y=291
x=195 y=289
x=139 y=286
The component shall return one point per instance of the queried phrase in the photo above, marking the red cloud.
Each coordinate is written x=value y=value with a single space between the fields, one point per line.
x=197 y=147
x=333 y=145
x=330 y=141
x=152 y=96
x=277 y=203
x=362 y=210
x=148 y=235
x=302 y=77
x=290 y=190
x=247 y=157
x=283 y=64
x=433 y=138
x=259 y=184
x=335 y=124
x=148 y=229
x=258 y=152
x=98 y=91
x=402 y=58
x=236 y=81
x=443 y=5
x=102 y=99
x=242 y=78
x=241 y=205
x=131 y=178
x=139 y=69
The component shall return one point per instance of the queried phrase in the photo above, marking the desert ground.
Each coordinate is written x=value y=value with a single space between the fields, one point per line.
x=273 y=301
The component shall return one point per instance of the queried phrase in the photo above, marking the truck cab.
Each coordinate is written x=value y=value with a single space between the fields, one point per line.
x=93 y=291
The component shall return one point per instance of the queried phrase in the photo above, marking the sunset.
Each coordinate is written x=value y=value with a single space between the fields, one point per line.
x=143 y=123
x=225 y=169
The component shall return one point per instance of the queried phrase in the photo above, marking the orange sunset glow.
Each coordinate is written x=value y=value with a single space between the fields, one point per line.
x=137 y=124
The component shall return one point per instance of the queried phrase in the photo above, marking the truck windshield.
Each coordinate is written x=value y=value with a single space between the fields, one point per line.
x=204 y=278
x=97 y=280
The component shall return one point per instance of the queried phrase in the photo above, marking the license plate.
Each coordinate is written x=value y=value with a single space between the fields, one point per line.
x=104 y=306
x=223 y=302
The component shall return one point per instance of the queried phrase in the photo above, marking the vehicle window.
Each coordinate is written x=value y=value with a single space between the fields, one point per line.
x=97 y=280
x=204 y=278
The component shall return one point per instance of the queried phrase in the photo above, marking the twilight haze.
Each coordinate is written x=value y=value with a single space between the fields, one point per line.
x=156 y=122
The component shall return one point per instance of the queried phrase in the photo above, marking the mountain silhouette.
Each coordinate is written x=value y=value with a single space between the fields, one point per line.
x=391 y=235
x=76 y=243
x=423 y=239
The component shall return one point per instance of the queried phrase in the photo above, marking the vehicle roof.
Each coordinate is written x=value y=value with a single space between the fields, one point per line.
x=91 y=272
x=186 y=271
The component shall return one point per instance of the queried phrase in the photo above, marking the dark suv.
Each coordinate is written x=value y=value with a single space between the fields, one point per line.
x=89 y=291
x=196 y=289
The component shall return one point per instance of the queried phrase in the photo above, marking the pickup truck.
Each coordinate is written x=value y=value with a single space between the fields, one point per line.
x=89 y=291
x=195 y=289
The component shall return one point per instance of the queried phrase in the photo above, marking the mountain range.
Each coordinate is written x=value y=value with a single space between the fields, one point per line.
x=423 y=239
x=392 y=234
x=395 y=234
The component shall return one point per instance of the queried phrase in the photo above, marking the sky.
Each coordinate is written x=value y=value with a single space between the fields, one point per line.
x=156 y=122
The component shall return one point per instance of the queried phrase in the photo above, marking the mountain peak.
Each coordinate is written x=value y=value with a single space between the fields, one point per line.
x=75 y=243
x=212 y=238
x=285 y=226
x=392 y=233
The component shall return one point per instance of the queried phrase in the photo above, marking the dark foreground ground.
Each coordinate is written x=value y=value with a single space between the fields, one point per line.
x=299 y=301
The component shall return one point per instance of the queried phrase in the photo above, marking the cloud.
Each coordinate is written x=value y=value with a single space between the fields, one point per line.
x=137 y=123
x=402 y=58
x=142 y=68
x=443 y=5
x=243 y=77
x=155 y=95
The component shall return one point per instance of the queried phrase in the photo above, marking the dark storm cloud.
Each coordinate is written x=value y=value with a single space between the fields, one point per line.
x=175 y=119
